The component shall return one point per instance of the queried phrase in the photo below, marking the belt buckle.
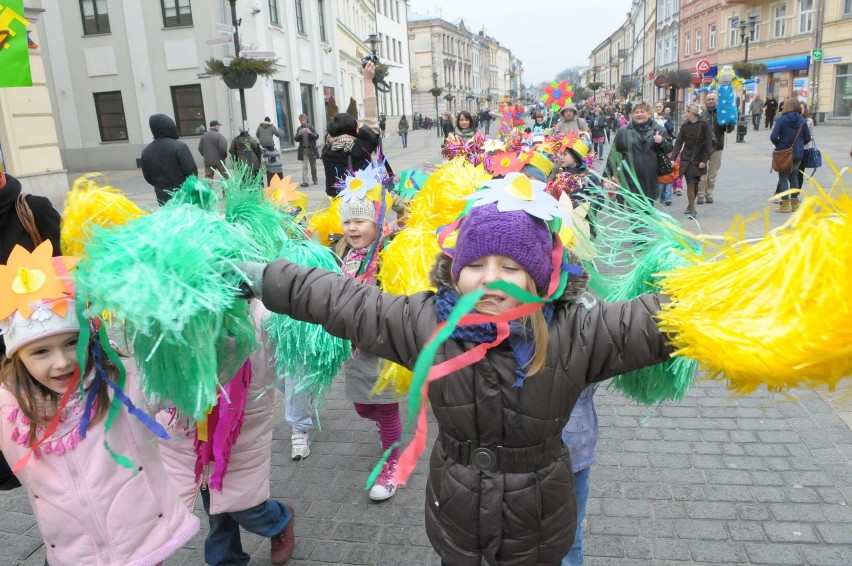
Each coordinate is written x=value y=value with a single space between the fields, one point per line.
x=483 y=459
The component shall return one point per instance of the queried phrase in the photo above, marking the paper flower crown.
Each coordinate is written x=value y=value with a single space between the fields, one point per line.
x=35 y=293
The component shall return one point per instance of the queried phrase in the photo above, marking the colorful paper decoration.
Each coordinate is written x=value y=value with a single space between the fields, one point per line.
x=14 y=53
x=557 y=95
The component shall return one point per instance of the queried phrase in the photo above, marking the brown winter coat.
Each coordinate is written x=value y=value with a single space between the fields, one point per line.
x=695 y=146
x=524 y=512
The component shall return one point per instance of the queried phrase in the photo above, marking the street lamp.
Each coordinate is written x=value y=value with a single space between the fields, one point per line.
x=746 y=33
x=373 y=41
x=236 y=23
x=437 y=92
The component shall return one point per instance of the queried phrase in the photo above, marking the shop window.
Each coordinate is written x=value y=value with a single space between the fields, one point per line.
x=281 y=93
x=843 y=91
x=189 y=110
x=176 y=13
x=95 y=17
x=307 y=95
x=109 y=109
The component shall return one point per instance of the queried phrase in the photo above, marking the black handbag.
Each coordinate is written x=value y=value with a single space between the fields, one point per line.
x=8 y=481
x=664 y=163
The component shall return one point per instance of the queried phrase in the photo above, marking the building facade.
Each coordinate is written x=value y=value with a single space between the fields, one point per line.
x=110 y=65
x=833 y=89
x=471 y=69
x=700 y=38
x=392 y=25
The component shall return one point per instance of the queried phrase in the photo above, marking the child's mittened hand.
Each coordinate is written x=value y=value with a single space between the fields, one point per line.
x=252 y=275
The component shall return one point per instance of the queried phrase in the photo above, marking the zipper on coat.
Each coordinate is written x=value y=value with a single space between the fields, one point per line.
x=86 y=507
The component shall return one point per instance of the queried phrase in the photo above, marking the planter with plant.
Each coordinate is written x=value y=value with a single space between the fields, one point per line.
x=242 y=72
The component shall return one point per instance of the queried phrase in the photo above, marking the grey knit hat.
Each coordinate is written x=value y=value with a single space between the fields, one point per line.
x=357 y=209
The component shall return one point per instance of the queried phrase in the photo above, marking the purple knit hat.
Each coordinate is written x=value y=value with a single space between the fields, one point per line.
x=514 y=233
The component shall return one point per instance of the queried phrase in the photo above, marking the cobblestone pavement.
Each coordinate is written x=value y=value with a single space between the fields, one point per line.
x=763 y=479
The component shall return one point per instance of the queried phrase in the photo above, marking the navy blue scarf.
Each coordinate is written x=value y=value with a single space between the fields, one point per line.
x=520 y=336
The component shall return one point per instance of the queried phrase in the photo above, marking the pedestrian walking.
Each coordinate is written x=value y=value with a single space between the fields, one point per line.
x=770 y=108
x=707 y=186
x=694 y=146
x=383 y=122
x=485 y=120
x=790 y=131
x=245 y=148
x=266 y=134
x=213 y=147
x=307 y=152
x=90 y=509
x=569 y=121
x=166 y=161
x=403 y=130
x=756 y=110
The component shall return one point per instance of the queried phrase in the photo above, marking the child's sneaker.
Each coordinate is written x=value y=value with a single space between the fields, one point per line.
x=300 y=446
x=679 y=192
x=384 y=488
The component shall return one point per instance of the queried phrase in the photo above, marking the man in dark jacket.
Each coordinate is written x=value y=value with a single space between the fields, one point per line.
x=307 y=152
x=717 y=133
x=769 y=110
x=213 y=147
x=246 y=149
x=166 y=162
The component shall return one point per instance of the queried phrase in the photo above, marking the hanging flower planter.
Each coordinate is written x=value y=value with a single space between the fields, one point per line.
x=242 y=72
x=240 y=80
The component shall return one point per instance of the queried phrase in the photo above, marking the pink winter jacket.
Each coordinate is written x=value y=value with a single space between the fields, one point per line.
x=89 y=509
x=246 y=482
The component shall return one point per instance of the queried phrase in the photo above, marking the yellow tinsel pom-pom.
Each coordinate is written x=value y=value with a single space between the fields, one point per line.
x=89 y=204
x=326 y=221
x=775 y=313
x=440 y=201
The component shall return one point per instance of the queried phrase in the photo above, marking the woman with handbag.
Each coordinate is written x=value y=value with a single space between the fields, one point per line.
x=694 y=145
x=789 y=136
x=638 y=151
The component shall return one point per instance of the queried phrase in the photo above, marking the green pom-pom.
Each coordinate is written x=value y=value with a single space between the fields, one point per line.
x=197 y=192
x=302 y=351
x=169 y=277
x=246 y=207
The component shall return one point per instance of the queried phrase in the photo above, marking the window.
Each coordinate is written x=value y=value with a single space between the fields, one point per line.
x=321 y=19
x=733 y=31
x=281 y=93
x=698 y=41
x=687 y=40
x=307 y=92
x=95 y=16
x=300 y=18
x=176 y=13
x=843 y=91
x=847 y=8
x=189 y=110
x=779 y=20
x=273 y=13
x=711 y=37
x=110 y=111
x=754 y=21
x=806 y=16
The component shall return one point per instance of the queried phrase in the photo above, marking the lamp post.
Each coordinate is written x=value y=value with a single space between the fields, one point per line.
x=236 y=23
x=746 y=31
x=437 y=94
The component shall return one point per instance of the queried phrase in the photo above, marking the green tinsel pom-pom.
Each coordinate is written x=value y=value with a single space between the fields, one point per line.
x=197 y=192
x=170 y=278
x=303 y=351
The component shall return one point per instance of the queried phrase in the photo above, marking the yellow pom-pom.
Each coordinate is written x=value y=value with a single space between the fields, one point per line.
x=774 y=313
x=88 y=204
x=326 y=221
x=440 y=201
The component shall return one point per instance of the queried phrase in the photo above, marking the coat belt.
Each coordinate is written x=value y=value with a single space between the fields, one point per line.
x=503 y=459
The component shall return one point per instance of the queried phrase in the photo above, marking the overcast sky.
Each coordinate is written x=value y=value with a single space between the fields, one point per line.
x=546 y=35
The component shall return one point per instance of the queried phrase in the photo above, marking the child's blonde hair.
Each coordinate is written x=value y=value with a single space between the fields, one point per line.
x=32 y=396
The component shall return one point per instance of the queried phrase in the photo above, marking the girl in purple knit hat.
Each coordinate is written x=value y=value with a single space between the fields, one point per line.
x=500 y=488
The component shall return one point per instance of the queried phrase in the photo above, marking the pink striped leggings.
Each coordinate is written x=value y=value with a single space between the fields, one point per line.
x=387 y=417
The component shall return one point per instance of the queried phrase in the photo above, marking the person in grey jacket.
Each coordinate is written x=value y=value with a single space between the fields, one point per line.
x=166 y=161
x=307 y=152
x=213 y=147
x=500 y=486
x=266 y=134
x=756 y=111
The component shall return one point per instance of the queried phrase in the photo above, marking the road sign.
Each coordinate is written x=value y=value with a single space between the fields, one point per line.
x=203 y=75
x=833 y=60
x=224 y=28
x=702 y=66
x=220 y=40
x=258 y=54
x=804 y=93
x=816 y=54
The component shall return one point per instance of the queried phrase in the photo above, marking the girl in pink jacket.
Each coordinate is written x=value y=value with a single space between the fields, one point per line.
x=90 y=510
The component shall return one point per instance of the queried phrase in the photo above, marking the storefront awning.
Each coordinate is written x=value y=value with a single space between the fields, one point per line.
x=787 y=64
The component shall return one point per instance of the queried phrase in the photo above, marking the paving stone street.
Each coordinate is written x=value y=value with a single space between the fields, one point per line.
x=714 y=479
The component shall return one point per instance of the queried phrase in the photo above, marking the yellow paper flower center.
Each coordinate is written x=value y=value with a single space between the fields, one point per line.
x=28 y=281
x=356 y=184
x=521 y=188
